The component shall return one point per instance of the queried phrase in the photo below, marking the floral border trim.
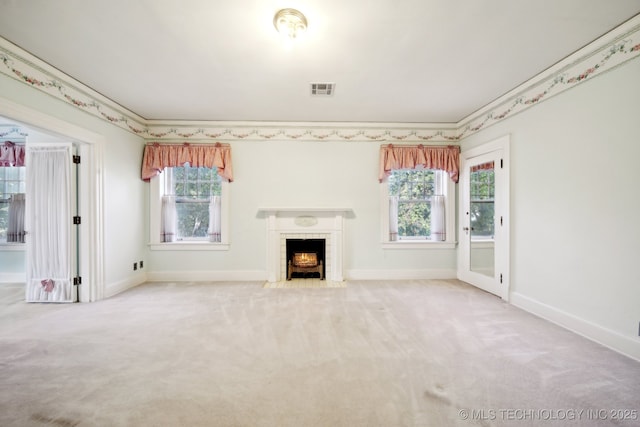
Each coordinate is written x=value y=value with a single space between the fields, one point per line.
x=288 y=132
x=12 y=132
x=21 y=66
x=603 y=55
x=598 y=61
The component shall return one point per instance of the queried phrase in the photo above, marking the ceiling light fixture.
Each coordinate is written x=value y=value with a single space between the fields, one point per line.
x=290 y=22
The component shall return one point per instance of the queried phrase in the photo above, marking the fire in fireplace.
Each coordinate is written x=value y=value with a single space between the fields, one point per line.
x=305 y=258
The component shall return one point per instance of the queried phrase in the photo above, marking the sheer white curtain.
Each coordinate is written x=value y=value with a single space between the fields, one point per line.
x=393 y=218
x=48 y=223
x=214 y=219
x=15 y=226
x=168 y=220
x=438 y=231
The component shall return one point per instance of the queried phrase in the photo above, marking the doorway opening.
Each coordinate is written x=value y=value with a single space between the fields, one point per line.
x=89 y=146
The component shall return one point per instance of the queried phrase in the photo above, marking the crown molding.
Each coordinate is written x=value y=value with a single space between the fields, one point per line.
x=618 y=46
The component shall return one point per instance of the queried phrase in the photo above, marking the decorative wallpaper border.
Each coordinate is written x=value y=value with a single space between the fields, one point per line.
x=609 y=51
x=11 y=132
x=294 y=131
x=600 y=56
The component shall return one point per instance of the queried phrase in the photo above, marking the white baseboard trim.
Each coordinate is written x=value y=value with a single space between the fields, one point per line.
x=625 y=345
x=400 y=274
x=131 y=282
x=207 y=276
x=13 y=278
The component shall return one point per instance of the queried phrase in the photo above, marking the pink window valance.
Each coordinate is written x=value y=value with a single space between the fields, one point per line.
x=156 y=157
x=482 y=167
x=445 y=158
x=11 y=154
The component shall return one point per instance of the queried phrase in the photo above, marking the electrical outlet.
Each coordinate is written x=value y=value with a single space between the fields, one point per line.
x=135 y=266
x=141 y=264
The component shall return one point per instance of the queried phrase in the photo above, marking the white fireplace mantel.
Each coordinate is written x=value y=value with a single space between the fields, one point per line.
x=314 y=222
x=270 y=211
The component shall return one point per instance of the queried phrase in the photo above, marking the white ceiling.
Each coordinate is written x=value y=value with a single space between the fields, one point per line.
x=404 y=61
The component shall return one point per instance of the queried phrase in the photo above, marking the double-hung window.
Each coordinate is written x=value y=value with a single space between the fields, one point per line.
x=196 y=194
x=411 y=194
x=418 y=207
x=417 y=192
x=189 y=195
x=189 y=209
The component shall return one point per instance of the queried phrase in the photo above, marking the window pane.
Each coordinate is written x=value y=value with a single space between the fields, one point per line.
x=13 y=187
x=193 y=220
x=206 y=174
x=192 y=174
x=482 y=219
x=12 y=173
x=217 y=187
x=178 y=174
x=191 y=189
x=4 y=220
x=414 y=219
x=179 y=189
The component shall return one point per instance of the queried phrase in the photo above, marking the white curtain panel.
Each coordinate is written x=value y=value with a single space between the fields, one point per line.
x=168 y=222
x=215 y=225
x=438 y=232
x=48 y=224
x=15 y=227
x=393 y=218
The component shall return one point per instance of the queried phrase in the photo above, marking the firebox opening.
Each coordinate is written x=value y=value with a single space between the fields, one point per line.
x=306 y=258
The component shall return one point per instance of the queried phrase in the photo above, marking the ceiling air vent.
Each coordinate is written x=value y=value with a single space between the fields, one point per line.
x=322 y=89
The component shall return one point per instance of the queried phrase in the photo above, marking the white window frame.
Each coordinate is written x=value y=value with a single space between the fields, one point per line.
x=449 y=193
x=156 y=190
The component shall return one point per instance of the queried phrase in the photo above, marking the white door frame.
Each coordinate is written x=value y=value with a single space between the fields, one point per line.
x=500 y=283
x=90 y=178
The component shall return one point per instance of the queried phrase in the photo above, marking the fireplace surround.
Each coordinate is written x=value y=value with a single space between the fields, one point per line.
x=304 y=223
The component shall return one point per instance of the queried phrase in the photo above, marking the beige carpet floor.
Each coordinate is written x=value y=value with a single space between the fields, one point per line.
x=305 y=283
x=406 y=353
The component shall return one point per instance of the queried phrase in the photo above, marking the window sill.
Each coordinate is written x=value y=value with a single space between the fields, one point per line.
x=11 y=247
x=414 y=244
x=191 y=246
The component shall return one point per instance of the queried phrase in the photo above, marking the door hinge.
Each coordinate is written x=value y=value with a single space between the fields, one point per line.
x=501 y=163
x=76 y=220
x=500 y=277
x=76 y=159
x=77 y=281
x=500 y=220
